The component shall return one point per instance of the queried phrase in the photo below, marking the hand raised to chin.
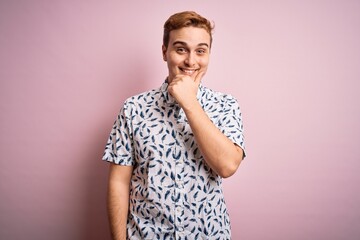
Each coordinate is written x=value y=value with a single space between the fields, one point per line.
x=184 y=89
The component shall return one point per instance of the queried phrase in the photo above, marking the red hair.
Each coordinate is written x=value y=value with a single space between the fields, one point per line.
x=186 y=19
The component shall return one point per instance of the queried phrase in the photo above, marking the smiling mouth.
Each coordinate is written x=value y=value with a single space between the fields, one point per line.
x=188 y=71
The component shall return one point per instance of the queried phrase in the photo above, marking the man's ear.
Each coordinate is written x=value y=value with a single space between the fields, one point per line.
x=164 y=52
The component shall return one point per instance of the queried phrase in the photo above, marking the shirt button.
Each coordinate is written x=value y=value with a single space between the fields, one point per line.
x=181 y=229
x=180 y=184
x=178 y=209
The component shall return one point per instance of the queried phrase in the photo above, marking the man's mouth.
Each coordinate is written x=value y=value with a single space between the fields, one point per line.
x=188 y=72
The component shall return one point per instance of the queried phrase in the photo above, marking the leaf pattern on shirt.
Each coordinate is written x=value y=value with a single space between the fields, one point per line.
x=174 y=193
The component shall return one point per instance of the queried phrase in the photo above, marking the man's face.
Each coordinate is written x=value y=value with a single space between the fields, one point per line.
x=188 y=52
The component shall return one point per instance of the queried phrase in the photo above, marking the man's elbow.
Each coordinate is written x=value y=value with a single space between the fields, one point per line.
x=230 y=169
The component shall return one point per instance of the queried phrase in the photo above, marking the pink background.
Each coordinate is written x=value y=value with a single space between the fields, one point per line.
x=67 y=66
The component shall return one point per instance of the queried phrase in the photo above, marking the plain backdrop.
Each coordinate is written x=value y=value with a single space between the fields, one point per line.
x=66 y=67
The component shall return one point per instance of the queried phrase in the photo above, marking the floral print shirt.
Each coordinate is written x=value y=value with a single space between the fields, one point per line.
x=174 y=194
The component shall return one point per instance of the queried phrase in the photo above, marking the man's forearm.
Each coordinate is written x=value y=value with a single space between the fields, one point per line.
x=220 y=153
x=118 y=206
x=118 y=199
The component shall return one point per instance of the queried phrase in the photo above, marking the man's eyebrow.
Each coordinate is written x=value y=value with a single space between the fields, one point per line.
x=184 y=43
x=203 y=44
x=179 y=42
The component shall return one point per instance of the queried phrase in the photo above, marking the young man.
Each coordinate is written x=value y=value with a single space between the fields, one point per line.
x=170 y=147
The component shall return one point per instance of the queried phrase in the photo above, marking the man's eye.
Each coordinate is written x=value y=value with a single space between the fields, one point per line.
x=201 y=51
x=181 y=50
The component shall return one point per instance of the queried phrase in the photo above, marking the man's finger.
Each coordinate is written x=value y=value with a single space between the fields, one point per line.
x=199 y=77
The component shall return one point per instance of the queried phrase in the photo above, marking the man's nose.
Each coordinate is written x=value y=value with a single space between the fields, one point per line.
x=190 y=60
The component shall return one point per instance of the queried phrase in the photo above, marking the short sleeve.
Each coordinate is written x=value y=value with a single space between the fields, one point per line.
x=230 y=122
x=119 y=147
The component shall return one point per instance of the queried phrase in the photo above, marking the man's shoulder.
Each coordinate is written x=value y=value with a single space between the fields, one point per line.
x=143 y=97
x=210 y=94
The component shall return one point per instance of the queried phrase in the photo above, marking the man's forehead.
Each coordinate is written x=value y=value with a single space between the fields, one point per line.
x=190 y=36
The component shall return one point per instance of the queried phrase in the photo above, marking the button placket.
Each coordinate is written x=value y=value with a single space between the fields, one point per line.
x=179 y=120
x=179 y=190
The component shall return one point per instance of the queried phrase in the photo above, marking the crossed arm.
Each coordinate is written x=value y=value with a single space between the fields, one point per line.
x=219 y=152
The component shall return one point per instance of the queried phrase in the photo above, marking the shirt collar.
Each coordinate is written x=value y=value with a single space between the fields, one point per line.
x=170 y=100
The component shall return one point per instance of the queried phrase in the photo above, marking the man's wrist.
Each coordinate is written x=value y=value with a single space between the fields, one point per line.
x=192 y=107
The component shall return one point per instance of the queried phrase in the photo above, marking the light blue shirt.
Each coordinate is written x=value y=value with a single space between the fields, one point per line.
x=174 y=194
